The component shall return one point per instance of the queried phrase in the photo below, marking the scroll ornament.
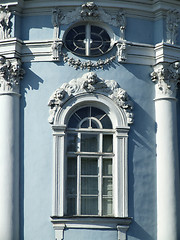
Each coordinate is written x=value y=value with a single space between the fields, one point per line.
x=11 y=73
x=90 y=83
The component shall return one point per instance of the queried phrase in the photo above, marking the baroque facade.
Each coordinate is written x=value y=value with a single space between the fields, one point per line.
x=89 y=120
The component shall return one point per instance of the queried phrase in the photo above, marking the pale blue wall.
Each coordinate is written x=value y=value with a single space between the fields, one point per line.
x=40 y=81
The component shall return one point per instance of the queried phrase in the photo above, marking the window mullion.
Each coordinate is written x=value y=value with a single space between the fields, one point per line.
x=88 y=39
x=100 y=182
x=78 y=185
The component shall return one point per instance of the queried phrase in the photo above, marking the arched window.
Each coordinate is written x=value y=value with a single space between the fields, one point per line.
x=90 y=119
x=89 y=163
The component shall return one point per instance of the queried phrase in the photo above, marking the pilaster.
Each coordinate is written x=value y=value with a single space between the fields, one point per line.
x=10 y=75
x=166 y=77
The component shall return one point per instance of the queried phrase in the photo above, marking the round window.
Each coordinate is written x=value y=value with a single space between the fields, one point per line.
x=88 y=40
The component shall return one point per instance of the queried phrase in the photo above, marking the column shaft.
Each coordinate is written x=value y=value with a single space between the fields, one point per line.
x=9 y=167
x=167 y=169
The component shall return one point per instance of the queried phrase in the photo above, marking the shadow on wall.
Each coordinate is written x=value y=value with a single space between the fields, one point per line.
x=138 y=232
x=142 y=175
x=33 y=83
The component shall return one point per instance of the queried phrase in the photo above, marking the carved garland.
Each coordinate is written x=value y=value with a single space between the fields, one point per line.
x=90 y=83
x=172 y=24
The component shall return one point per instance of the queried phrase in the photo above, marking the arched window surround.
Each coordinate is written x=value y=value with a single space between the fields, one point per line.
x=60 y=114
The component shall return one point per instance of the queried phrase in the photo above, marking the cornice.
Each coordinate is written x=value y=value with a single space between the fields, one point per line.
x=137 y=53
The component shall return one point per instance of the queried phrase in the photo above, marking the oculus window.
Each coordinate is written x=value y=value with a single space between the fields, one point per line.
x=89 y=163
x=88 y=40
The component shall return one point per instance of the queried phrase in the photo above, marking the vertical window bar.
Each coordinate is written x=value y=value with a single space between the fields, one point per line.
x=100 y=182
x=88 y=39
x=78 y=185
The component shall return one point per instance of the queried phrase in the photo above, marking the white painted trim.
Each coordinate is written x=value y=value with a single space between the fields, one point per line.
x=137 y=53
x=102 y=223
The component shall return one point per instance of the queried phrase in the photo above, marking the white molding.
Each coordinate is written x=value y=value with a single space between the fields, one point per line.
x=86 y=85
x=102 y=223
x=137 y=53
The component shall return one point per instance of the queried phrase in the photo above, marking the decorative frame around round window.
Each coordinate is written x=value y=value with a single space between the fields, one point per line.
x=88 y=39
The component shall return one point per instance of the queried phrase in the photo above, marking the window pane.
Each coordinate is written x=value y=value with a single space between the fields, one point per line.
x=89 y=185
x=83 y=112
x=71 y=142
x=107 y=167
x=73 y=121
x=107 y=206
x=71 y=206
x=89 y=166
x=97 y=113
x=71 y=166
x=89 y=143
x=107 y=143
x=89 y=205
x=107 y=186
x=106 y=122
x=71 y=185
x=85 y=124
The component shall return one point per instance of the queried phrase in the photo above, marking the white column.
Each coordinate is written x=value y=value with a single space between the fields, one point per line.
x=10 y=73
x=166 y=76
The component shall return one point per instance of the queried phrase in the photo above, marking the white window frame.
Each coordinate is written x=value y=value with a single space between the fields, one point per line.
x=120 y=220
x=100 y=155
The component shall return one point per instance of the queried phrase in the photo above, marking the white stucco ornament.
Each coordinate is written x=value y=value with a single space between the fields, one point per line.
x=172 y=24
x=10 y=74
x=5 y=27
x=166 y=76
x=90 y=83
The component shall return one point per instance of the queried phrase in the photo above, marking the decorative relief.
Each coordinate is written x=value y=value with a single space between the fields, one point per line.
x=121 y=51
x=89 y=65
x=166 y=76
x=5 y=26
x=172 y=24
x=89 y=12
x=90 y=83
x=56 y=49
x=10 y=74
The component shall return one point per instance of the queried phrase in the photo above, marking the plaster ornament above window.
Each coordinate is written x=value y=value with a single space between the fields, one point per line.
x=88 y=38
x=91 y=12
x=166 y=76
x=172 y=24
x=90 y=83
x=10 y=74
x=5 y=26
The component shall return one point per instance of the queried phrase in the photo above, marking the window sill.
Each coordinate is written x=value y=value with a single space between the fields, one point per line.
x=85 y=222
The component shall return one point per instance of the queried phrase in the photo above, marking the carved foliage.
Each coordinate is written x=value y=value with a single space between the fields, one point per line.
x=89 y=11
x=167 y=76
x=172 y=23
x=10 y=74
x=121 y=51
x=90 y=83
x=5 y=26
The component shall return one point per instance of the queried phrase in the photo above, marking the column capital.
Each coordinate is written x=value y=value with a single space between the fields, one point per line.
x=11 y=73
x=166 y=76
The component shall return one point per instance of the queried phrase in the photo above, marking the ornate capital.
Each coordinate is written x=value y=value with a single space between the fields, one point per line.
x=5 y=25
x=90 y=83
x=10 y=74
x=166 y=76
x=172 y=24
